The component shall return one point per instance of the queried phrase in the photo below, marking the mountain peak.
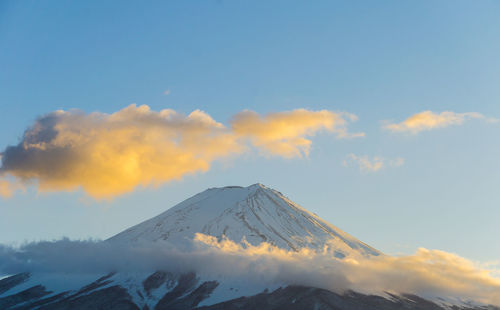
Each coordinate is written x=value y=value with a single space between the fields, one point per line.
x=257 y=185
x=255 y=213
x=252 y=187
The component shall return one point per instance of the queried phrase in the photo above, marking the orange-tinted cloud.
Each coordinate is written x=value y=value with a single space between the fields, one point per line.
x=285 y=133
x=432 y=274
x=5 y=189
x=111 y=154
x=108 y=155
x=428 y=120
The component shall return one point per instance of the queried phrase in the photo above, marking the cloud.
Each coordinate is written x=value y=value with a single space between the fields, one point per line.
x=397 y=162
x=110 y=154
x=427 y=273
x=428 y=120
x=374 y=164
x=284 y=133
x=9 y=186
x=5 y=189
x=107 y=155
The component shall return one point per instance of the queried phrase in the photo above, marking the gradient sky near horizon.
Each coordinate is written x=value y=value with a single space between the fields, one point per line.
x=383 y=61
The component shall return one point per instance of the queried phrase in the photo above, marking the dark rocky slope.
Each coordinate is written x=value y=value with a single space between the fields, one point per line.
x=185 y=292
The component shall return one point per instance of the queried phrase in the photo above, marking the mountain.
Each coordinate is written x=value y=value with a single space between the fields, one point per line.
x=252 y=215
x=255 y=213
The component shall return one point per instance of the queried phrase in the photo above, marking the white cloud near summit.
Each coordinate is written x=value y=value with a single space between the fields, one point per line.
x=110 y=154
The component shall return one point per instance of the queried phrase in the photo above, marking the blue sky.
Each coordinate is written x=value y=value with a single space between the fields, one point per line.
x=384 y=60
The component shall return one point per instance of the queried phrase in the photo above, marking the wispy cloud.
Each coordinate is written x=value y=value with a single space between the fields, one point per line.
x=493 y=120
x=373 y=164
x=428 y=120
x=111 y=154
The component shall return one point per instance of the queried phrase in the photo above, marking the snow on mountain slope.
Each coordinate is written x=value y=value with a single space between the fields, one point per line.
x=255 y=213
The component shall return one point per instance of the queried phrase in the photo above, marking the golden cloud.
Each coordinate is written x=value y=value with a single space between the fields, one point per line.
x=284 y=133
x=5 y=189
x=111 y=154
x=431 y=274
x=428 y=120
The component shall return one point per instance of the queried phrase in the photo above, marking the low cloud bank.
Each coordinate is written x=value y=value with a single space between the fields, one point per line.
x=427 y=273
x=110 y=154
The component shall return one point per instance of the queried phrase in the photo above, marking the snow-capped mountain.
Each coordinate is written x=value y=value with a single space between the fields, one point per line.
x=255 y=213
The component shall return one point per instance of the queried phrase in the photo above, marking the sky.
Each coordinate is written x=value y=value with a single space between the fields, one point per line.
x=381 y=117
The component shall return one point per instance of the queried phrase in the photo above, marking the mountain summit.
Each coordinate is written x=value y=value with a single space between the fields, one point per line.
x=255 y=213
